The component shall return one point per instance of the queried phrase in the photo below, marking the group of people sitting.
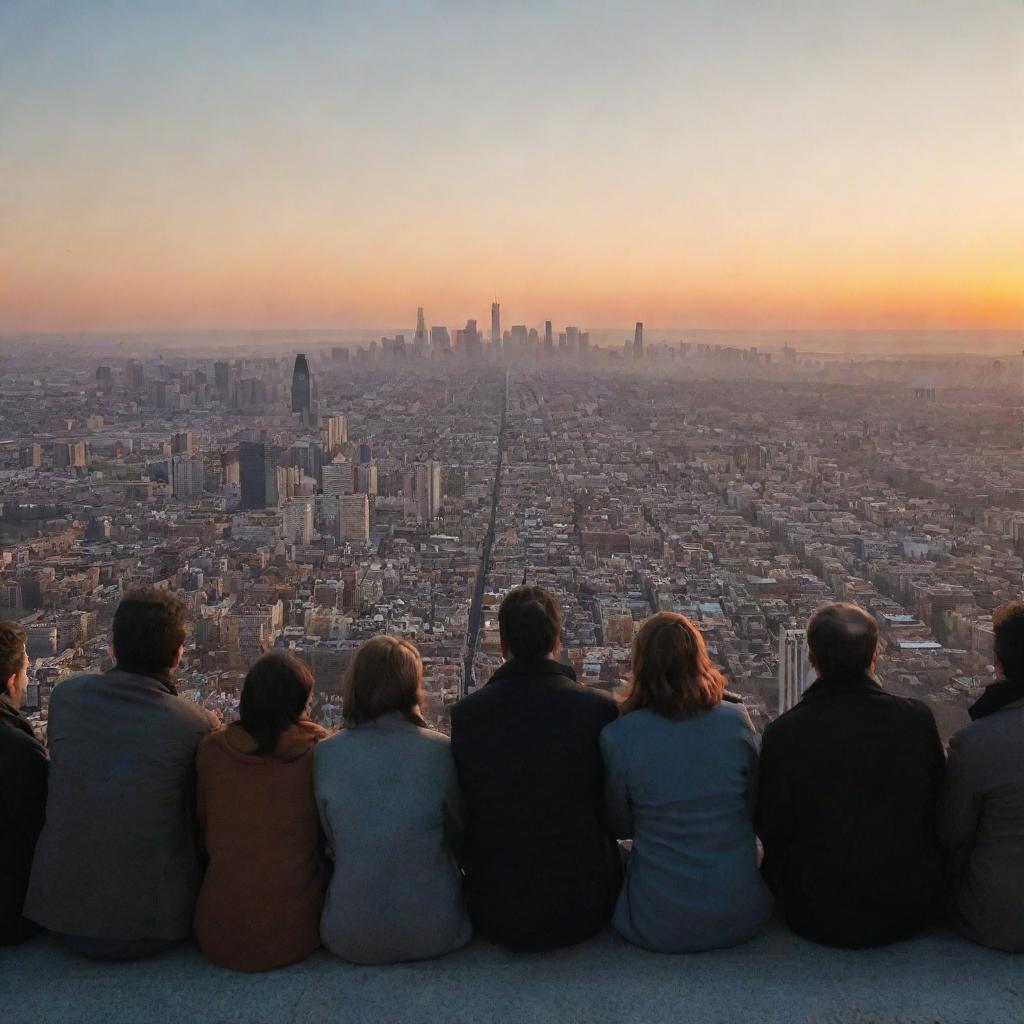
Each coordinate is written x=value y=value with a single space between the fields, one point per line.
x=552 y=811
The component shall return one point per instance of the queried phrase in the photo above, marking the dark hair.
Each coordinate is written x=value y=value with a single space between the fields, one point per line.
x=842 y=639
x=672 y=673
x=529 y=622
x=1008 y=628
x=385 y=675
x=12 y=651
x=274 y=696
x=149 y=627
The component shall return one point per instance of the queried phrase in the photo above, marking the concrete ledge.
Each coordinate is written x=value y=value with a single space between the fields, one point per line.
x=776 y=979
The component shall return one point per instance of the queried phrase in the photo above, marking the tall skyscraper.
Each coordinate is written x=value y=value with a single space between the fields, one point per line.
x=495 y=326
x=186 y=477
x=336 y=428
x=257 y=472
x=421 y=331
x=549 y=341
x=355 y=518
x=440 y=339
x=222 y=380
x=297 y=521
x=794 y=667
x=638 y=340
x=572 y=338
x=302 y=388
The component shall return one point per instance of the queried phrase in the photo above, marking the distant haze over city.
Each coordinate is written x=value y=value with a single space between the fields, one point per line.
x=779 y=166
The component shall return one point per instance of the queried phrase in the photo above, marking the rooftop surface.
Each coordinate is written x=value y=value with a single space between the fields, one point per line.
x=778 y=978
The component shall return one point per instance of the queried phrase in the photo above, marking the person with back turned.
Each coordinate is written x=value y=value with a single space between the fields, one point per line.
x=981 y=822
x=848 y=786
x=23 y=774
x=541 y=868
x=117 y=867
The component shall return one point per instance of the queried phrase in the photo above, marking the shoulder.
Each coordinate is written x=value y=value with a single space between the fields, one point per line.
x=212 y=743
x=19 y=746
x=433 y=740
x=193 y=716
x=594 y=702
x=915 y=710
x=73 y=686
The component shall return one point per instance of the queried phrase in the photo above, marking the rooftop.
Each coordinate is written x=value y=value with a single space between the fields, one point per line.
x=778 y=978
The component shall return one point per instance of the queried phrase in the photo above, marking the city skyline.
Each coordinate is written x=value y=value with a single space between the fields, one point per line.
x=785 y=166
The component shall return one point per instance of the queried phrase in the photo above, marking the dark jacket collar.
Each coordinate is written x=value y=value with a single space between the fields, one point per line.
x=834 y=687
x=13 y=717
x=996 y=697
x=163 y=678
x=514 y=669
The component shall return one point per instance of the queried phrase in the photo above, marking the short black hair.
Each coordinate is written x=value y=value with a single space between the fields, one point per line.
x=274 y=696
x=149 y=627
x=842 y=639
x=12 y=651
x=529 y=622
x=1008 y=629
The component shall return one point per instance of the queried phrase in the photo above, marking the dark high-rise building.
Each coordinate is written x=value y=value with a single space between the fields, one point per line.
x=495 y=326
x=549 y=341
x=302 y=387
x=221 y=380
x=638 y=341
x=257 y=474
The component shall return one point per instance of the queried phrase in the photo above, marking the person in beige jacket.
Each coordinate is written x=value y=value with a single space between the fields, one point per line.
x=981 y=821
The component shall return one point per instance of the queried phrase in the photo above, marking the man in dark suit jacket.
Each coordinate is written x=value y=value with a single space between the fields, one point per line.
x=23 y=774
x=847 y=790
x=541 y=868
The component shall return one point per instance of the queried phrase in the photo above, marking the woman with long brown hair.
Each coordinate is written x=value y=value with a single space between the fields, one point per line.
x=680 y=773
x=390 y=806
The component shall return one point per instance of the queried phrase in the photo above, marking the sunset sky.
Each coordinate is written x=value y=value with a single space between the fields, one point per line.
x=724 y=164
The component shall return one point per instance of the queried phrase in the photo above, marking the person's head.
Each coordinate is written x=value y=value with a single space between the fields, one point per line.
x=13 y=663
x=672 y=674
x=1008 y=630
x=529 y=624
x=842 y=641
x=149 y=631
x=274 y=696
x=386 y=675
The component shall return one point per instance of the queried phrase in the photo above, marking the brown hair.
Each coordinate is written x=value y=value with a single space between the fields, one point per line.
x=12 y=651
x=672 y=673
x=274 y=696
x=385 y=675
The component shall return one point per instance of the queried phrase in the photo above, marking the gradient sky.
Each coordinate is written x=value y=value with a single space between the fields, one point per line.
x=727 y=163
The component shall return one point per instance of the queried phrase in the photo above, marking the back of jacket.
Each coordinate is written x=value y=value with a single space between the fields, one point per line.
x=390 y=808
x=982 y=824
x=848 y=786
x=23 y=772
x=541 y=867
x=117 y=858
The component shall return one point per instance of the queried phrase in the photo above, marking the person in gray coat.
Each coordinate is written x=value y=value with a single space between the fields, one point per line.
x=680 y=775
x=981 y=816
x=117 y=870
x=391 y=810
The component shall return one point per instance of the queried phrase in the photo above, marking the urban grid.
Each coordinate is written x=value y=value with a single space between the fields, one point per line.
x=311 y=499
